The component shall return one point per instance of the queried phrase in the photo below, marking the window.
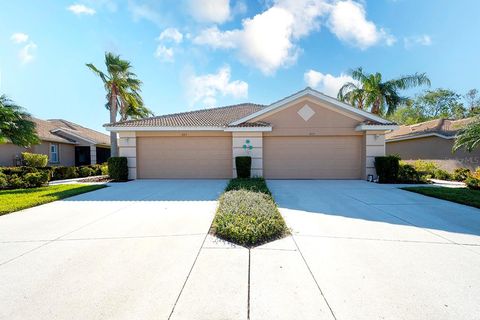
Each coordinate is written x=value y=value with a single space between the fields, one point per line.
x=54 y=153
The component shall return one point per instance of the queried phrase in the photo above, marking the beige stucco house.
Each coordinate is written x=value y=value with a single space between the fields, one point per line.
x=64 y=142
x=432 y=141
x=307 y=135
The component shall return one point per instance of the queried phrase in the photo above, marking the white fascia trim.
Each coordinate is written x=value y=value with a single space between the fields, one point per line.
x=369 y=127
x=247 y=129
x=433 y=134
x=74 y=135
x=316 y=94
x=117 y=129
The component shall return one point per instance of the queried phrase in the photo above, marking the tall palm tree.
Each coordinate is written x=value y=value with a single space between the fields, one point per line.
x=123 y=93
x=469 y=136
x=370 y=92
x=16 y=125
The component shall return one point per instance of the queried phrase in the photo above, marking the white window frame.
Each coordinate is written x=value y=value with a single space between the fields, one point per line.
x=50 y=152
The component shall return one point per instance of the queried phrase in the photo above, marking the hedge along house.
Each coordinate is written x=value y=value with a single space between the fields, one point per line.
x=64 y=142
x=307 y=135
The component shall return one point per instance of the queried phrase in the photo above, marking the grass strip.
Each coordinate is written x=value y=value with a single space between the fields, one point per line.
x=459 y=195
x=19 y=199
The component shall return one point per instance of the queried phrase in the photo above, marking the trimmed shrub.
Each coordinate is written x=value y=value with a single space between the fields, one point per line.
x=254 y=184
x=36 y=179
x=3 y=181
x=387 y=168
x=442 y=175
x=461 y=174
x=104 y=170
x=71 y=173
x=248 y=218
x=244 y=166
x=86 y=172
x=426 y=168
x=473 y=183
x=408 y=174
x=15 y=182
x=35 y=160
x=118 y=168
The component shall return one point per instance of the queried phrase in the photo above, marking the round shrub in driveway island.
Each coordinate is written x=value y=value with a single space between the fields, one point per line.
x=248 y=218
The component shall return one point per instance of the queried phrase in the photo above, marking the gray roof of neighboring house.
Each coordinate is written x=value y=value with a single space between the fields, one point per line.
x=63 y=131
x=214 y=117
x=444 y=127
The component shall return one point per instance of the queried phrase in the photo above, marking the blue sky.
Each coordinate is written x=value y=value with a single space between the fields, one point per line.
x=193 y=54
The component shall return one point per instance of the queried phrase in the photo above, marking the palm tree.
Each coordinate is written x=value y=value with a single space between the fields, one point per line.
x=16 y=125
x=469 y=136
x=123 y=93
x=370 y=92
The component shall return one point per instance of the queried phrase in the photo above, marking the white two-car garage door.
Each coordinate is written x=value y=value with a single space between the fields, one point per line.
x=330 y=157
x=184 y=157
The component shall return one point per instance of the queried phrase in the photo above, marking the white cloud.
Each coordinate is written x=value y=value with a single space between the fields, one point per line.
x=216 y=11
x=164 y=54
x=19 y=37
x=326 y=83
x=80 y=9
x=204 y=89
x=348 y=22
x=145 y=12
x=26 y=54
x=171 y=34
x=420 y=40
x=217 y=39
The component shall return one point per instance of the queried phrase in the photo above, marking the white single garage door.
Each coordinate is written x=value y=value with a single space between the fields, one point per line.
x=332 y=157
x=184 y=157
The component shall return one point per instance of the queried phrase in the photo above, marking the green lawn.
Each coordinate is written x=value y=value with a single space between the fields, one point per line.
x=18 y=199
x=459 y=195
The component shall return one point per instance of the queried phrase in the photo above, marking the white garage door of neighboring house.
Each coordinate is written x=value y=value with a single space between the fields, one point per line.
x=184 y=157
x=333 y=157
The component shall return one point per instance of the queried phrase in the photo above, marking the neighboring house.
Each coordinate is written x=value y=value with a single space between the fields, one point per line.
x=65 y=143
x=307 y=135
x=433 y=141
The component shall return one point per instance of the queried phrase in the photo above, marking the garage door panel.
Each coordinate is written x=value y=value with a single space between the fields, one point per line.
x=312 y=157
x=184 y=157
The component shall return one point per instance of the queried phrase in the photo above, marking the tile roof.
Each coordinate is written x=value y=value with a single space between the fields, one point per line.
x=47 y=131
x=214 y=117
x=445 y=127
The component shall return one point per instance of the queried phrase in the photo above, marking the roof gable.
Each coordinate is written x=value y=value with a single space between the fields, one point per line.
x=316 y=95
x=442 y=128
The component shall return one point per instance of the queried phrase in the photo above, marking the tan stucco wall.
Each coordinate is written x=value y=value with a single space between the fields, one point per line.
x=434 y=149
x=325 y=121
x=8 y=152
x=66 y=153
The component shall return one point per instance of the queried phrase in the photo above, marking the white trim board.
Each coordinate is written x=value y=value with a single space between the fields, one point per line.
x=235 y=129
x=433 y=134
x=320 y=96
x=368 y=127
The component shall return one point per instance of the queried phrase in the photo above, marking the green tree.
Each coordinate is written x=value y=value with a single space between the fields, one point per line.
x=370 y=92
x=472 y=99
x=123 y=93
x=468 y=138
x=441 y=103
x=408 y=114
x=16 y=125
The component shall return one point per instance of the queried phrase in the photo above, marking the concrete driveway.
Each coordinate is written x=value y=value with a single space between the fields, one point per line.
x=140 y=250
x=377 y=252
x=122 y=252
